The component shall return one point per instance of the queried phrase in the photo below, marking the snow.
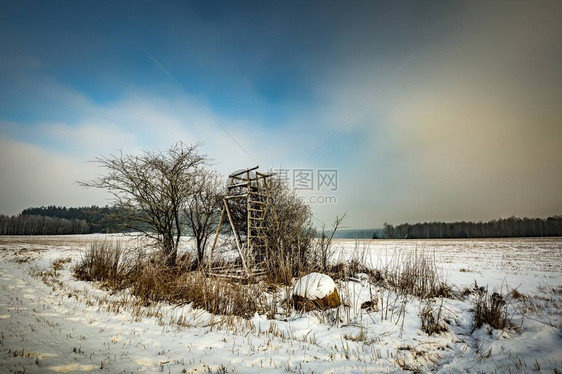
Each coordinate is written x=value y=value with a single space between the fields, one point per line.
x=314 y=286
x=59 y=324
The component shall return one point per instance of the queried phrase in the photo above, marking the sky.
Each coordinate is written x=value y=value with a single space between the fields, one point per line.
x=423 y=111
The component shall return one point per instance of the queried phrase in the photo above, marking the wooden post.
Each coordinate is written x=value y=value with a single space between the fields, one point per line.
x=216 y=238
x=238 y=243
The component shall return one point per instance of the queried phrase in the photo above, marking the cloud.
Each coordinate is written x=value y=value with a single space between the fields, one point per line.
x=47 y=158
x=32 y=176
x=468 y=128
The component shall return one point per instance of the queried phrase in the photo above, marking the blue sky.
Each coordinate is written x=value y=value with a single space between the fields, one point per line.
x=438 y=110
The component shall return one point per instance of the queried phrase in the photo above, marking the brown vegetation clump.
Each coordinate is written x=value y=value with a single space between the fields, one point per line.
x=431 y=318
x=104 y=261
x=514 y=293
x=327 y=302
x=490 y=309
x=353 y=268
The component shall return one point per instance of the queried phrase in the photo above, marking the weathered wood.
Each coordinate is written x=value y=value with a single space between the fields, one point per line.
x=244 y=171
x=241 y=184
x=236 y=196
x=260 y=174
x=255 y=186
x=216 y=235
x=238 y=241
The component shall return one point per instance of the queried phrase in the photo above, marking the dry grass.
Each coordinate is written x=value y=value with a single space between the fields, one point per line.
x=413 y=274
x=218 y=296
x=150 y=280
x=356 y=265
x=490 y=309
x=108 y=262
x=416 y=274
x=515 y=294
x=431 y=317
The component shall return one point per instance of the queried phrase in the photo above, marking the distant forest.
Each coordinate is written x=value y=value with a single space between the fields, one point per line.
x=500 y=228
x=53 y=220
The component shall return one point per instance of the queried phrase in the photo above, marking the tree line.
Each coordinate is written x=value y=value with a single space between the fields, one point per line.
x=98 y=219
x=60 y=220
x=498 y=228
x=41 y=225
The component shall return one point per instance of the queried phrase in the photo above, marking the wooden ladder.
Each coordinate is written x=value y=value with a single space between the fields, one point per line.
x=257 y=238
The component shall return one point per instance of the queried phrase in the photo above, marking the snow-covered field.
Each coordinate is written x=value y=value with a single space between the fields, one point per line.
x=50 y=322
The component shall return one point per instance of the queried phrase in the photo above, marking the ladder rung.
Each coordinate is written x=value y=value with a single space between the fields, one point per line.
x=242 y=184
x=235 y=196
x=255 y=210
x=233 y=175
x=256 y=202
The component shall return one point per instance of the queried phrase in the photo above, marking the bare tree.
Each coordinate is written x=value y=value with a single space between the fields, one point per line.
x=202 y=211
x=151 y=190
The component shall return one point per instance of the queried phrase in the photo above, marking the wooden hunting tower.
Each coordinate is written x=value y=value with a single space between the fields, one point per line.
x=247 y=191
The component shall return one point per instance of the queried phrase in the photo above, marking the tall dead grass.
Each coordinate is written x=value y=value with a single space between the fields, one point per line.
x=431 y=317
x=413 y=273
x=152 y=281
x=416 y=274
x=490 y=309
x=108 y=262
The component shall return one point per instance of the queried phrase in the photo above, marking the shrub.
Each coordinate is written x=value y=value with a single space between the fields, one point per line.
x=105 y=261
x=490 y=309
x=290 y=233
